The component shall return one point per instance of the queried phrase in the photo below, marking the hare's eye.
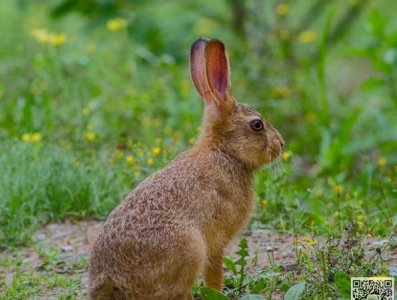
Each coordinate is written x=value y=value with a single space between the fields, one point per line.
x=256 y=125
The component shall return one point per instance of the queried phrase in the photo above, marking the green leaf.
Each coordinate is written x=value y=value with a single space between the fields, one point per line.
x=242 y=261
x=229 y=263
x=295 y=291
x=285 y=287
x=377 y=23
x=342 y=282
x=252 y=297
x=211 y=294
x=372 y=84
x=242 y=252
x=258 y=287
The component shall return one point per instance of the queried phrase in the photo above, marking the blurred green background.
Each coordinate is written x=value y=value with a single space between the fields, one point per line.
x=95 y=95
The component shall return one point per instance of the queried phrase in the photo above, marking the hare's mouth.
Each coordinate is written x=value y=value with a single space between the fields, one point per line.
x=275 y=152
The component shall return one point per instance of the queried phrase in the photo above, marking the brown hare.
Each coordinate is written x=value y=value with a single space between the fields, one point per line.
x=176 y=223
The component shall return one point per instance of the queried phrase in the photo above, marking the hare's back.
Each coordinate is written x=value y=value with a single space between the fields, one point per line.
x=168 y=190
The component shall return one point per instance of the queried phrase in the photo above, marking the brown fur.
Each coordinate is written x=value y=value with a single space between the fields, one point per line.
x=176 y=223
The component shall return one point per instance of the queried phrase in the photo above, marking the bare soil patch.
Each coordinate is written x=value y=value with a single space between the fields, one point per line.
x=73 y=241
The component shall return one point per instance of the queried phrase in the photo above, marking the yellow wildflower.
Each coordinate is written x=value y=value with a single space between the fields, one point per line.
x=360 y=217
x=116 y=24
x=307 y=36
x=32 y=137
x=36 y=137
x=360 y=224
x=302 y=252
x=90 y=136
x=57 y=39
x=287 y=155
x=137 y=173
x=150 y=161
x=310 y=241
x=192 y=140
x=46 y=37
x=382 y=162
x=264 y=202
x=156 y=151
x=338 y=188
x=282 y=9
x=281 y=226
x=40 y=35
x=26 y=137
x=130 y=160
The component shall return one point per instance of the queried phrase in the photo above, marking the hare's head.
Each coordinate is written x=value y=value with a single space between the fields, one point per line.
x=234 y=128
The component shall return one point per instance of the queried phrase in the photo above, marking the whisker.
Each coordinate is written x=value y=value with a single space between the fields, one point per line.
x=281 y=163
x=276 y=168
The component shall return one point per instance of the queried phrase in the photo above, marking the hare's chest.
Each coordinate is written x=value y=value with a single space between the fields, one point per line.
x=232 y=210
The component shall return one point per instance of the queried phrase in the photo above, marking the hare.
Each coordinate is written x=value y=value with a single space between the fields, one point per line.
x=176 y=224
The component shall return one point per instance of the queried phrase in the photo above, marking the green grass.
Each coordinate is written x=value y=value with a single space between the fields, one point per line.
x=57 y=276
x=44 y=183
x=322 y=271
x=82 y=123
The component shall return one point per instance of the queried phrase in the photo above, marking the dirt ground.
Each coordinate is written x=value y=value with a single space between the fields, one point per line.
x=73 y=240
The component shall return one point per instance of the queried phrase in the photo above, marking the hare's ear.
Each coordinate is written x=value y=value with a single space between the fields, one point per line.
x=218 y=70
x=197 y=68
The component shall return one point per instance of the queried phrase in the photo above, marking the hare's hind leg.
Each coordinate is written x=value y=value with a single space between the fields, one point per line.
x=213 y=273
x=101 y=289
x=183 y=266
